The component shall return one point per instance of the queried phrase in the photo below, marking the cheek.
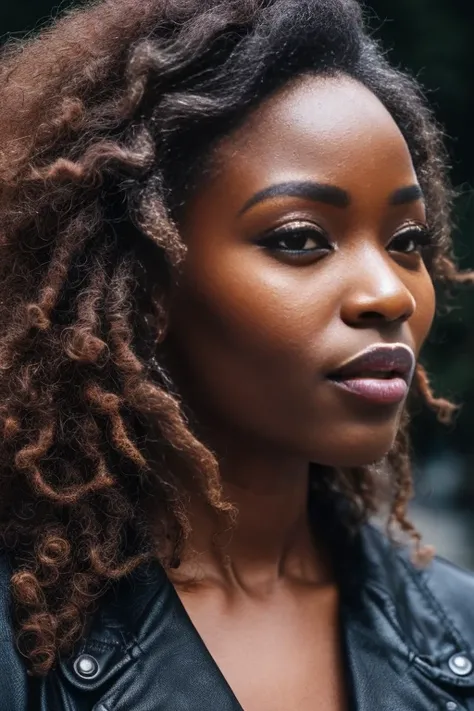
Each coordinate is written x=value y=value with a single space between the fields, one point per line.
x=246 y=331
x=246 y=302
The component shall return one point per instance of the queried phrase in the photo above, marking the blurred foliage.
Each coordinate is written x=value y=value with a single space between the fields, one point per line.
x=433 y=41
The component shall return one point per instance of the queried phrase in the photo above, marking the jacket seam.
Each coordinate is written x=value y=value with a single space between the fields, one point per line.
x=102 y=645
x=414 y=657
x=391 y=606
x=434 y=604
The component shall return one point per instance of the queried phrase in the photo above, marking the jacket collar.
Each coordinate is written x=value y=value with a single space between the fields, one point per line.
x=399 y=640
x=147 y=648
x=424 y=607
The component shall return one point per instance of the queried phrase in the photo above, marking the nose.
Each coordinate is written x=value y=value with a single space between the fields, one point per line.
x=377 y=295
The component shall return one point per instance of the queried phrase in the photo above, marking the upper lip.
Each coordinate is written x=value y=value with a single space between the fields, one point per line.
x=396 y=359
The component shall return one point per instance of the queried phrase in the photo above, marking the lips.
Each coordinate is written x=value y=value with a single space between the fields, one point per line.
x=381 y=373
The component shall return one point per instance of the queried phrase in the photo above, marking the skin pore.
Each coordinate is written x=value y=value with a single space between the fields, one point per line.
x=283 y=282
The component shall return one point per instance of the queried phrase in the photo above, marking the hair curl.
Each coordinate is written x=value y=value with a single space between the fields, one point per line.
x=106 y=121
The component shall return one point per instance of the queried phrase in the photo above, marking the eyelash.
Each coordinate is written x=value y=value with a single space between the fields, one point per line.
x=418 y=234
x=298 y=230
x=422 y=236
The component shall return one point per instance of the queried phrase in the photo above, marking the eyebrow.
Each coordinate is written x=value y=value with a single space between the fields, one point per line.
x=328 y=194
x=319 y=192
x=403 y=196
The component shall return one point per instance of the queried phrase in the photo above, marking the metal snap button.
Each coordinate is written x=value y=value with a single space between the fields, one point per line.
x=86 y=667
x=451 y=706
x=460 y=664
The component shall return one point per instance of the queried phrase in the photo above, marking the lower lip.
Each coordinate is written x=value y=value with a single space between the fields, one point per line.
x=384 y=392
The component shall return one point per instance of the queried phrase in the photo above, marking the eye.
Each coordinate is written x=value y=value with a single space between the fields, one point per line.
x=298 y=240
x=414 y=239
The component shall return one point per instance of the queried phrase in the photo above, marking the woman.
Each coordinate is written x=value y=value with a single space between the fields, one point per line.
x=222 y=224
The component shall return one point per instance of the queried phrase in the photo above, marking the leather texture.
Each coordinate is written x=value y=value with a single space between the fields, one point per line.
x=403 y=627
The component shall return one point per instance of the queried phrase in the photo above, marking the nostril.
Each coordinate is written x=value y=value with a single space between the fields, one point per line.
x=372 y=316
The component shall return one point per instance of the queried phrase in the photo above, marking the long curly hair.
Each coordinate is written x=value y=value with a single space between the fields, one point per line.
x=107 y=119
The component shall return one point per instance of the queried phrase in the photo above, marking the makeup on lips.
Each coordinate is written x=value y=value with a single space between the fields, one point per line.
x=381 y=374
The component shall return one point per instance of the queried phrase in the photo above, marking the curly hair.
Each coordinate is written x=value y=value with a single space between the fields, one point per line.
x=108 y=118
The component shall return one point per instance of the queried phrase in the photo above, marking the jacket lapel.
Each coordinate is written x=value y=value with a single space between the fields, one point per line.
x=152 y=654
x=398 y=640
x=383 y=674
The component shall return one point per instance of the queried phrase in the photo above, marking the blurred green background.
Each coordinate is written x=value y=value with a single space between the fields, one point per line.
x=434 y=42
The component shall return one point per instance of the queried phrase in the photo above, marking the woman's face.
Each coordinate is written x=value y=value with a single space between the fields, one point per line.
x=303 y=251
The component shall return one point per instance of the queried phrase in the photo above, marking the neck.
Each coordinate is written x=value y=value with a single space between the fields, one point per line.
x=272 y=538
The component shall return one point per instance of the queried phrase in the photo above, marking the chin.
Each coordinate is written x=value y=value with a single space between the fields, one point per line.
x=355 y=451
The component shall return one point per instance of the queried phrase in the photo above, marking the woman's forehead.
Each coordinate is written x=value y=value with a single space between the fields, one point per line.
x=329 y=130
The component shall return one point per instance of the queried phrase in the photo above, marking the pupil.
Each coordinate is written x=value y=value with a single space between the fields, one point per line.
x=297 y=242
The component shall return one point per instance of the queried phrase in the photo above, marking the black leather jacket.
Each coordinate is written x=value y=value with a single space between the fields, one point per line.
x=409 y=641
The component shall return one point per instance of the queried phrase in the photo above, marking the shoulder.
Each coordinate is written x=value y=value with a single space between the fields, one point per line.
x=440 y=586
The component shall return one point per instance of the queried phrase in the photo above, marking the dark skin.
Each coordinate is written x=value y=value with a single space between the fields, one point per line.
x=258 y=319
